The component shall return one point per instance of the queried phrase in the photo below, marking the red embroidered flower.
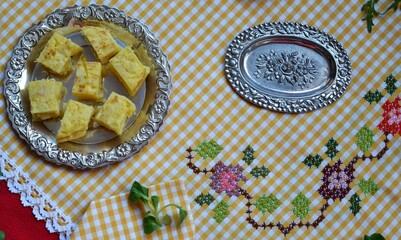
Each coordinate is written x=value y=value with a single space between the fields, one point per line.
x=391 y=122
x=226 y=179
x=336 y=181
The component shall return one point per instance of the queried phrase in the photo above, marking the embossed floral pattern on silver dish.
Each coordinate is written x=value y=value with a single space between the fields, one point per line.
x=287 y=67
x=153 y=96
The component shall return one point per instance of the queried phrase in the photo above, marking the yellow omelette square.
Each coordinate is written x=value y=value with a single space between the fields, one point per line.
x=75 y=121
x=88 y=83
x=129 y=70
x=103 y=43
x=56 y=55
x=45 y=98
x=115 y=112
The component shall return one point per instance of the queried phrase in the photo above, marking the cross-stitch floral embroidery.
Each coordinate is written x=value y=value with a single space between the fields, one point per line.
x=226 y=179
x=336 y=181
x=392 y=117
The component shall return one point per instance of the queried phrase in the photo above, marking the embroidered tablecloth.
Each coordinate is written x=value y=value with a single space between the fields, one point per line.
x=249 y=172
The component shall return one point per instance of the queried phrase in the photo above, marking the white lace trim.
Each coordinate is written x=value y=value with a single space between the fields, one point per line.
x=31 y=195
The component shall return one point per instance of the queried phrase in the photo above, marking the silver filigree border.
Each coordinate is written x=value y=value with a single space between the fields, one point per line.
x=288 y=105
x=16 y=66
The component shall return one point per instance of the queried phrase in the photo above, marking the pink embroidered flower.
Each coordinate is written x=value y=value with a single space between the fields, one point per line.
x=226 y=179
x=391 y=122
x=336 y=181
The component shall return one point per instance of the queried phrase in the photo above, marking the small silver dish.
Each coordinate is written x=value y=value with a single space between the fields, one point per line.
x=287 y=67
x=100 y=146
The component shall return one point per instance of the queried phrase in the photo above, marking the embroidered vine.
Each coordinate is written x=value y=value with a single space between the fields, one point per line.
x=336 y=177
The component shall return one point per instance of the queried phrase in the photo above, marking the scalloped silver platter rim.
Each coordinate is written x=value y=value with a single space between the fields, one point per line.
x=152 y=114
x=287 y=67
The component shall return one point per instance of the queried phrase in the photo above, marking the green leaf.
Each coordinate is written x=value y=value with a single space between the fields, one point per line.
x=138 y=192
x=149 y=213
x=155 y=202
x=369 y=9
x=150 y=224
x=183 y=214
x=151 y=220
x=393 y=6
x=2 y=235
x=371 y=12
x=374 y=236
x=166 y=219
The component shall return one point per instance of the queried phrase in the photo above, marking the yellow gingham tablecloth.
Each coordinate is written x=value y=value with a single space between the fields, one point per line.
x=287 y=166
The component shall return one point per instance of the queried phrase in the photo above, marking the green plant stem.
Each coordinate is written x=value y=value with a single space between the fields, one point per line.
x=169 y=205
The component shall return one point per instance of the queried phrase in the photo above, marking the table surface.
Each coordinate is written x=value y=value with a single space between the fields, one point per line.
x=328 y=173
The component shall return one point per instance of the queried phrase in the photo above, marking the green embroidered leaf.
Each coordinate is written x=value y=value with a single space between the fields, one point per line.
x=313 y=160
x=248 y=155
x=260 y=172
x=355 y=200
x=364 y=138
x=331 y=151
x=267 y=203
x=368 y=186
x=390 y=84
x=375 y=96
x=301 y=206
x=208 y=149
x=204 y=199
x=221 y=211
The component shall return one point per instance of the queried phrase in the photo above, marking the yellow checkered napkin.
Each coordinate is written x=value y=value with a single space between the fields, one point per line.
x=117 y=218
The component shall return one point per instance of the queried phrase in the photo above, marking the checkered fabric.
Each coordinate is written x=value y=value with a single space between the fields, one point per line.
x=195 y=36
x=116 y=218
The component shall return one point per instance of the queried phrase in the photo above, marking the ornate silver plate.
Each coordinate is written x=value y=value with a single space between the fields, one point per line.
x=287 y=67
x=99 y=147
